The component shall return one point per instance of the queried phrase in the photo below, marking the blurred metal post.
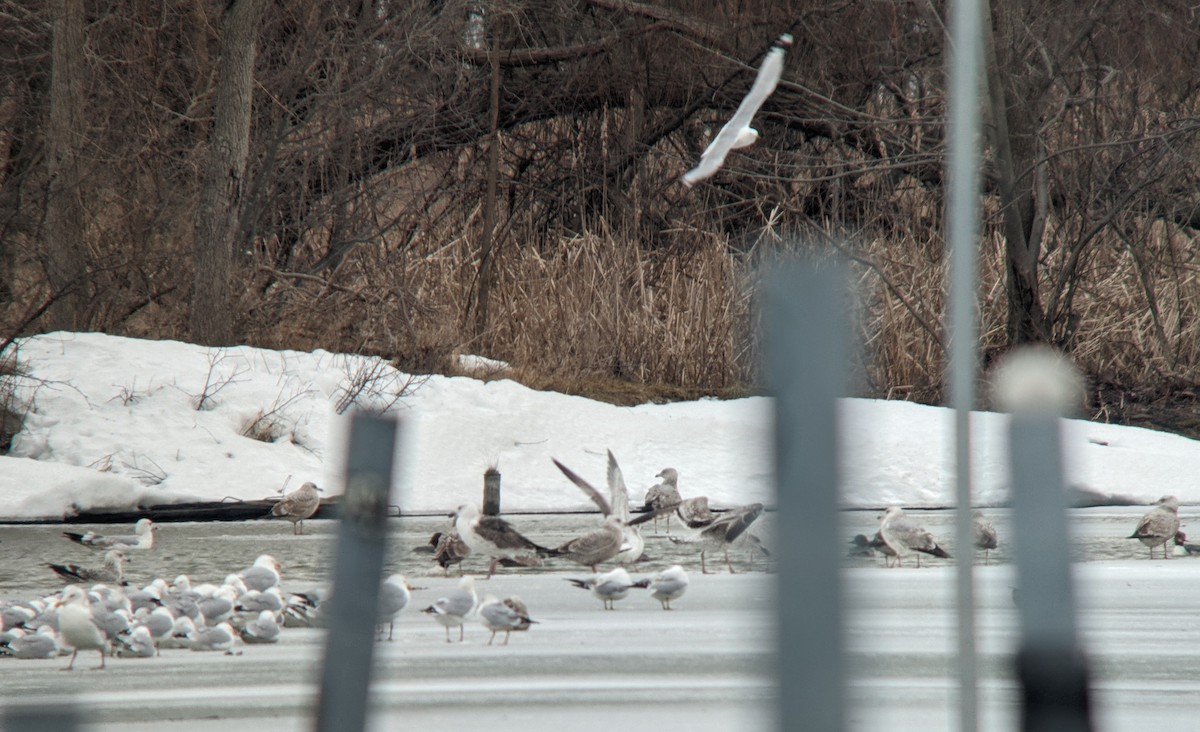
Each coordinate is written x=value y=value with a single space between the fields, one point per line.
x=964 y=65
x=1050 y=663
x=806 y=369
x=491 y=492
x=41 y=718
x=357 y=574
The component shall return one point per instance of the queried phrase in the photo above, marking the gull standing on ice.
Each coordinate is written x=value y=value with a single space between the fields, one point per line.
x=492 y=536
x=454 y=608
x=78 y=629
x=617 y=537
x=737 y=132
x=610 y=587
x=724 y=531
x=497 y=615
x=140 y=540
x=1159 y=525
x=664 y=494
x=668 y=585
x=900 y=534
x=984 y=534
x=298 y=505
x=111 y=571
x=393 y=597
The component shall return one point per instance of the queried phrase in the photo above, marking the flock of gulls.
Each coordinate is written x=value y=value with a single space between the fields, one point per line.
x=99 y=610
x=899 y=535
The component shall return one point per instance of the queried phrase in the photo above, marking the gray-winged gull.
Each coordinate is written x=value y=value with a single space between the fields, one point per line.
x=668 y=585
x=617 y=529
x=902 y=534
x=393 y=597
x=453 y=608
x=141 y=539
x=983 y=534
x=1159 y=525
x=722 y=532
x=111 y=571
x=497 y=615
x=737 y=132
x=298 y=505
x=262 y=629
x=78 y=629
x=611 y=586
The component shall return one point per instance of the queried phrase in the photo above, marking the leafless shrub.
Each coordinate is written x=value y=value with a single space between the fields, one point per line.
x=143 y=469
x=274 y=423
x=214 y=380
x=373 y=385
x=12 y=408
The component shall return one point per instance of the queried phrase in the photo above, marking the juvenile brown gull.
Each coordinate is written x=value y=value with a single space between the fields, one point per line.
x=722 y=532
x=617 y=537
x=298 y=505
x=664 y=494
x=1159 y=525
x=492 y=536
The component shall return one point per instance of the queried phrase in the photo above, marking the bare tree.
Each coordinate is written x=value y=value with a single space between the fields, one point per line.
x=224 y=184
x=65 y=226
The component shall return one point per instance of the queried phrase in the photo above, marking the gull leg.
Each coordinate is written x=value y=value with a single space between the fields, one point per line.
x=391 y=627
x=492 y=567
x=702 y=569
x=727 y=562
x=101 y=666
x=492 y=638
x=447 y=633
x=506 y=634
x=72 y=662
x=460 y=633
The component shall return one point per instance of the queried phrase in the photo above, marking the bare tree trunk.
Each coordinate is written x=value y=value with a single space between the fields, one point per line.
x=489 y=204
x=223 y=184
x=1014 y=116
x=66 y=253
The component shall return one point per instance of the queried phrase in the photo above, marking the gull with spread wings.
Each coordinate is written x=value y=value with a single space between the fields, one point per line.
x=737 y=132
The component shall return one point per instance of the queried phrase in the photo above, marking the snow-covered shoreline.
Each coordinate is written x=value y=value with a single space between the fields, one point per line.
x=114 y=425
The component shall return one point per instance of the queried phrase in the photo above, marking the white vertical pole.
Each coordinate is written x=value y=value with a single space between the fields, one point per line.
x=964 y=61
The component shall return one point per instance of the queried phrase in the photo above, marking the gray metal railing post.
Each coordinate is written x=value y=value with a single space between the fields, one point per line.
x=806 y=367
x=1036 y=385
x=357 y=573
x=964 y=60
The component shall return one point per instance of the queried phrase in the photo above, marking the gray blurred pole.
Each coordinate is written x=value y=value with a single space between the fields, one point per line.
x=964 y=61
x=357 y=573
x=1050 y=663
x=41 y=718
x=806 y=367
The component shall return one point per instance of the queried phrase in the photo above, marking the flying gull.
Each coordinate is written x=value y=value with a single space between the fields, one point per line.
x=983 y=534
x=737 y=132
x=141 y=539
x=900 y=534
x=1159 y=525
x=497 y=615
x=111 y=571
x=452 y=609
x=664 y=494
x=298 y=505
x=611 y=586
x=668 y=585
x=492 y=536
x=724 y=531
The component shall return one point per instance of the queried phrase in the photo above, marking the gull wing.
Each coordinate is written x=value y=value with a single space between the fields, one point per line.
x=618 y=493
x=587 y=487
x=764 y=85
